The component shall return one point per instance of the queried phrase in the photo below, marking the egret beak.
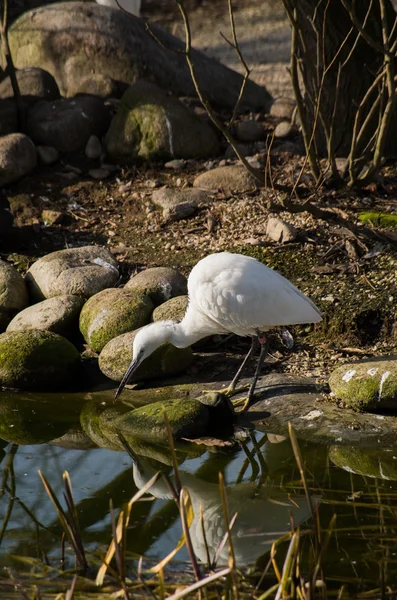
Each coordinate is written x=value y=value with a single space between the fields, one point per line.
x=130 y=371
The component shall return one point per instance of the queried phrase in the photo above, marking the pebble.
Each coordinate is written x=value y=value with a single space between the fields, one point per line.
x=175 y=164
x=280 y=231
x=285 y=129
x=93 y=148
x=47 y=154
x=99 y=173
x=249 y=131
x=283 y=108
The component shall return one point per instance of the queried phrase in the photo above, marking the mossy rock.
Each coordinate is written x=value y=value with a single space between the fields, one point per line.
x=24 y=420
x=96 y=421
x=162 y=454
x=152 y=125
x=174 y=309
x=159 y=283
x=187 y=418
x=369 y=385
x=37 y=360
x=167 y=360
x=369 y=463
x=113 y=312
x=379 y=219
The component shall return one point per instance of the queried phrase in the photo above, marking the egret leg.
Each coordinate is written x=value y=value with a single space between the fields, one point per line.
x=263 y=353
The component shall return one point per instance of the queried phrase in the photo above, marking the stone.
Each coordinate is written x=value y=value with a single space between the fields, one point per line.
x=179 y=204
x=8 y=117
x=232 y=177
x=67 y=123
x=367 y=385
x=186 y=419
x=244 y=149
x=48 y=155
x=18 y=157
x=37 y=360
x=95 y=84
x=283 y=108
x=131 y=6
x=280 y=231
x=364 y=461
x=99 y=173
x=94 y=419
x=152 y=125
x=59 y=314
x=159 y=283
x=13 y=293
x=68 y=40
x=167 y=360
x=285 y=129
x=93 y=148
x=83 y=271
x=34 y=85
x=174 y=309
x=112 y=312
x=52 y=217
x=249 y=131
x=175 y=165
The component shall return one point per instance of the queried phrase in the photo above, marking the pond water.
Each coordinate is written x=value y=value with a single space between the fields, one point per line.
x=264 y=487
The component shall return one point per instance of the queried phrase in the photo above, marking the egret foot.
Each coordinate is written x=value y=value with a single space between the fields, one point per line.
x=229 y=391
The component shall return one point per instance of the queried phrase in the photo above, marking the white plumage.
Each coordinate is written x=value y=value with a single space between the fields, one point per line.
x=228 y=293
x=131 y=6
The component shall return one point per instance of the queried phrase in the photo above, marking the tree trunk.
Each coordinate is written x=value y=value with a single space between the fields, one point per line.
x=338 y=66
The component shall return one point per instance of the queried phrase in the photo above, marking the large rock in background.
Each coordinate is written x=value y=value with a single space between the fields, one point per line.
x=152 y=125
x=74 y=40
x=83 y=271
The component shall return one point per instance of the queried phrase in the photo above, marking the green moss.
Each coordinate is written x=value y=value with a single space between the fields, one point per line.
x=112 y=312
x=97 y=420
x=37 y=360
x=173 y=309
x=187 y=418
x=369 y=463
x=379 y=219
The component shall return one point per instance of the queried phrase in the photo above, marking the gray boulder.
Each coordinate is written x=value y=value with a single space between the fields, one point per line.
x=67 y=123
x=59 y=314
x=34 y=85
x=159 y=283
x=167 y=360
x=81 y=272
x=75 y=41
x=37 y=360
x=368 y=385
x=18 y=157
x=13 y=293
x=152 y=125
x=179 y=204
x=173 y=310
x=111 y=313
x=232 y=177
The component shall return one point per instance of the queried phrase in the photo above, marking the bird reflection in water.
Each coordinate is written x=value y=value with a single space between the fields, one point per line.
x=264 y=511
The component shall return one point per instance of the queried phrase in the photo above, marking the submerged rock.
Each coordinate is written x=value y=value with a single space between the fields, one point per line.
x=97 y=419
x=173 y=310
x=13 y=293
x=112 y=312
x=37 y=360
x=81 y=272
x=167 y=360
x=159 y=283
x=59 y=314
x=187 y=418
x=363 y=461
x=367 y=385
x=151 y=125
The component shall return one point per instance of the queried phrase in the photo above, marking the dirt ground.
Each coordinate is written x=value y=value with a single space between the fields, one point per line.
x=347 y=269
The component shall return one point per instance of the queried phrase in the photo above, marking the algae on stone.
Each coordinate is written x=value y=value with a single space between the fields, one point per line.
x=366 y=462
x=112 y=312
x=167 y=360
x=37 y=360
x=174 y=309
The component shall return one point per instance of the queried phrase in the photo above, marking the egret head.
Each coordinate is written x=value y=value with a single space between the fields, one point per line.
x=146 y=341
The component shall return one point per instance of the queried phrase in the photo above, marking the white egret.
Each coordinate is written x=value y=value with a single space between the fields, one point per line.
x=131 y=6
x=228 y=293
